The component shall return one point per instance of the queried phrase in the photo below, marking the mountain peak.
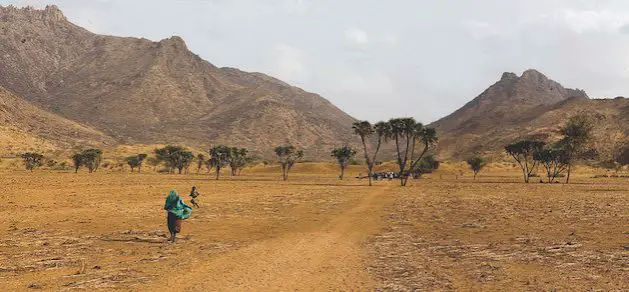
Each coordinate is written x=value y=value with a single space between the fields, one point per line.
x=175 y=41
x=534 y=74
x=509 y=76
x=49 y=13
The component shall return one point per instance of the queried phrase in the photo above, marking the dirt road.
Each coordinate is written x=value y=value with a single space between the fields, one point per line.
x=328 y=257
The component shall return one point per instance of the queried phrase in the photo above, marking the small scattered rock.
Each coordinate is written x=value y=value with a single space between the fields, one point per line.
x=34 y=286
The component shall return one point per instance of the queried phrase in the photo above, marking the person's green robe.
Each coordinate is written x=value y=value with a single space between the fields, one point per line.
x=174 y=204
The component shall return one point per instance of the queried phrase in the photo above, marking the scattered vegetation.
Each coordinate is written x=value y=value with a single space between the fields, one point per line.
x=32 y=160
x=477 y=163
x=577 y=134
x=343 y=156
x=554 y=160
x=136 y=161
x=523 y=152
x=200 y=162
x=238 y=160
x=220 y=157
x=174 y=157
x=91 y=159
x=287 y=157
x=427 y=164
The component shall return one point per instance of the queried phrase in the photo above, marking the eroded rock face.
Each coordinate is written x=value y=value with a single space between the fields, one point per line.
x=141 y=91
x=517 y=107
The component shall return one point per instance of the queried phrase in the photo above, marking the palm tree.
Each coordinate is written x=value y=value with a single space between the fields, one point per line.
x=406 y=133
x=364 y=130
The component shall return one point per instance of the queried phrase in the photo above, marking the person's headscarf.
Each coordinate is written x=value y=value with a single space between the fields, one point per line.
x=174 y=204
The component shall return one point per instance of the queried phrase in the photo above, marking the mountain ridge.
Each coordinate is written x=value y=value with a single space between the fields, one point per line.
x=529 y=105
x=140 y=91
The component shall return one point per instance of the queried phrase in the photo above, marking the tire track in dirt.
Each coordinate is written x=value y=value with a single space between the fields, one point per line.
x=331 y=257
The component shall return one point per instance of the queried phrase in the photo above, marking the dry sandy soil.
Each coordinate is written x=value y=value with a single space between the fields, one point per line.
x=65 y=231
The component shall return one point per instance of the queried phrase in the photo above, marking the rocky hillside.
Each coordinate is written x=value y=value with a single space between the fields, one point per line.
x=25 y=127
x=516 y=107
x=139 y=91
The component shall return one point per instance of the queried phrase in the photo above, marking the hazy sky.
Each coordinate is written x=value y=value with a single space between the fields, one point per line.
x=377 y=59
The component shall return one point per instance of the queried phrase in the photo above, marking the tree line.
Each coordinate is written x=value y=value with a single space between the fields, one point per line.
x=412 y=140
x=559 y=157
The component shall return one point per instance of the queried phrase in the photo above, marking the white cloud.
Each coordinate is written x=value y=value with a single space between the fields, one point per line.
x=581 y=21
x=357 y=36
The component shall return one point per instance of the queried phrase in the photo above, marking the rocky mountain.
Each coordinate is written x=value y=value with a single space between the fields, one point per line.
x=25 y=127
x=523 y=106
x=140 y=91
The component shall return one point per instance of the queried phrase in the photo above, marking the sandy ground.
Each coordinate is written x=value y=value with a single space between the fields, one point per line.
x=65 y=231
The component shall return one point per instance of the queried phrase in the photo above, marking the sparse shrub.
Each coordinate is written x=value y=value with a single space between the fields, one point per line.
x=200 y=162
x=477 y=163
x=343 y=157
x=523 y=152
x=577 y=134
x=427 y=164
x=238 y=159
x=51 y=163
x=90 y=158
x=136 y=161
x=287 y=157
x=175 y=157
x=554 y=160
x=220 y=156
x=32 y=160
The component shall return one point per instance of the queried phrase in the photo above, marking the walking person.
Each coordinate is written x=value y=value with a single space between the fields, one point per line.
x=194 y=194
x=177 y=212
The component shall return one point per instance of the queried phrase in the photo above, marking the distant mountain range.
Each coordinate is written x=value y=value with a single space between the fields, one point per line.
x=139 y=91
x=524 y=106
x=62 y=86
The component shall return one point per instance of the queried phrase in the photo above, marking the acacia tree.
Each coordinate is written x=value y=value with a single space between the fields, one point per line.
x=32 y=160
x=92 y=159
x=477 y=163
x=287 y=157
x=220 y=157
x=170 y=155
x=133 y=162
x=343 y=156
x=577 y=133
x=523 y=152
x=200 y=162
x=364 y=130
x=238 y=159
x=407 y=133
x=554 y=160
x=136 y=161
x=184 y=161
x=77 y=161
